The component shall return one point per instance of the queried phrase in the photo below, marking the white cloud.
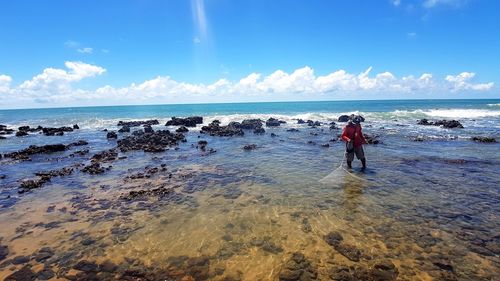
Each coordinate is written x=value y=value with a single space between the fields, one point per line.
x=462 y=82
x=396 y=2
x=57 y=87
x=77 y=46
x=5 y=83
x=196 y=40
x=86 y=50
x=453 y=3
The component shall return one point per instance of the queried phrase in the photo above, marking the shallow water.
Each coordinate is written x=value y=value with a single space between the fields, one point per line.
x=431 y=208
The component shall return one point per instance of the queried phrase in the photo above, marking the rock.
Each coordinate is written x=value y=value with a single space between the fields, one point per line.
x=76 y=127
x=484 y=139
x=333 y=238
x=259 y=131
x=32 y=184
x=23 y=274
x=273 y=135
x=86 y=266
x=214 y=129
x=298 y=268
x=111 y=135
x=449 y=124
x=313 y=124
x=34 y=149
x=300 y=121
x=157 y=141
x=273 y=122
x=187 y=122
x=250 y=147
x=182 y=129
x=104 y=156
x=138 y=123
x=56 y=131
x=293 y=130
x=21 y=133
x=4 y=252
x=343 y=118
x=372 y=139
x=43 y=254
x=124 y=129
x=45 y=274
x=93 y=169
x=326 y=145
x=251 y=124
x=148 y=129
x=384 y=271
x=20 y=259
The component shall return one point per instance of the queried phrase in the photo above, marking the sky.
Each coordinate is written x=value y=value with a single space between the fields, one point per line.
x=93 y=52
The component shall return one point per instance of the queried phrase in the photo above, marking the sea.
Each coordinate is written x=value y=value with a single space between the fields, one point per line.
x=426 y=208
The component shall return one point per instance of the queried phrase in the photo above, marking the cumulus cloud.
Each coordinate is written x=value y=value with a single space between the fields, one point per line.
x=86 y=50
x=5 y=83
x=77 y=46
x=57 y=86
x=462 y=82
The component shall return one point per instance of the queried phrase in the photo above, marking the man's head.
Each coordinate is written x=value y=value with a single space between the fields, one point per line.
x=356 y=119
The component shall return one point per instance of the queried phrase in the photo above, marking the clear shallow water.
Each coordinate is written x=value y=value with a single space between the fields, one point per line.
x=431 y=207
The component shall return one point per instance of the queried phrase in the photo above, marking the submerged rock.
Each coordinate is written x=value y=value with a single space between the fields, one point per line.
x=484 y=139
x=250 y=147
x=298 y=268
x=187 y=122
x=182 y=129
x=449 y=124
x=23 y=274
x=4 y=252
x=34 y=149
x=105 y=156
x=111 y=135
x=56 y=131
x=372 y=139
x=138 y=123
x=349 y=251
x=93 y=169
x=21 y=133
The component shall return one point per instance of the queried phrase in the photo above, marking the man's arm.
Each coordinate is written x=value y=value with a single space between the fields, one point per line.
x=363 y=140
x=344 y=135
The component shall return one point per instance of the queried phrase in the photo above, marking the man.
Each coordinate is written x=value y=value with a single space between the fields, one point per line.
x=354 y=139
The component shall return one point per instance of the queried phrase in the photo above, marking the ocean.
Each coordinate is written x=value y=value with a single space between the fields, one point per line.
x=427 y=207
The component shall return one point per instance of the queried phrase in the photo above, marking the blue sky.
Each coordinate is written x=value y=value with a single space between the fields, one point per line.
x=231 y=50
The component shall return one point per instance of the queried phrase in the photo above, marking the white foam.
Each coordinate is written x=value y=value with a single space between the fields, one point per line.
x=494 y=104
x=462 y=113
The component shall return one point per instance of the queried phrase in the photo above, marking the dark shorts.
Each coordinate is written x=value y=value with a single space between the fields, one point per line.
x=360 y=154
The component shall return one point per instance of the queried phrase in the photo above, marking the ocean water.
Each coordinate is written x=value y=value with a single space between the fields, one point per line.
x=429 y=207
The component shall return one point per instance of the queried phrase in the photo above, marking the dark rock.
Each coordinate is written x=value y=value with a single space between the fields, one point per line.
x=20 y=259
x=343 y=118
x=325 y=145
x=32 y=184
x=273 y=122
x=108 y=266
x=21 y=133
x=182 y=129
x=138 y=123
x=333 y=238
x=43 y=254
x=76 y=127
x=93 y=169
x=349 y=251
x=157 y=141
x=56 y=131
x=124 y=129
x=23 y=274
x=484 y=139
x=45 y=274
x=34 y=149
x=86 y=266
x=298 y=268
x=300 y=121
x=187 y=122
x=56 y=173
x=251 y=124
x=250 y=147
x=24 y=128
x=259 y=131
x=444 y=123
x=372 y=139
x=148 y=129
x=292 y=130
x=384 y=271
x=273 y=135
x=111 y=135
x=104 y=156
x=214 y=129
x=313 y=124
x=4 y=252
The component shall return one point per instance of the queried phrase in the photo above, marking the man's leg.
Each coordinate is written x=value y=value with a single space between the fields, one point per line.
x=349 y=156
x=363 y=162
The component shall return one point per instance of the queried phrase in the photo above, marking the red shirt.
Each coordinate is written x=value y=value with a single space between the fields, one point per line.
x=353 y=132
